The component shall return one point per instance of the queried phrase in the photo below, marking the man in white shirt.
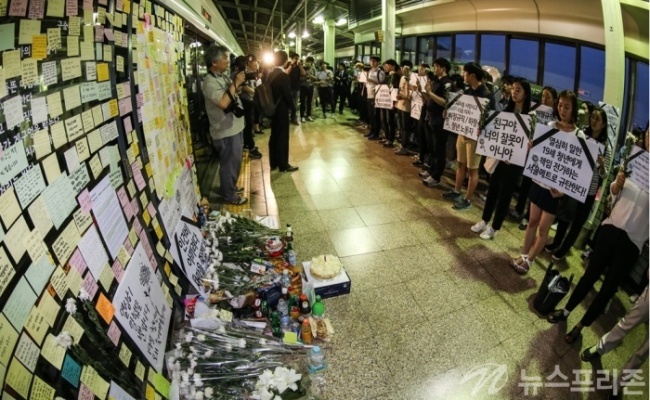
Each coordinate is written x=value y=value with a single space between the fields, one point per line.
x=375 y=76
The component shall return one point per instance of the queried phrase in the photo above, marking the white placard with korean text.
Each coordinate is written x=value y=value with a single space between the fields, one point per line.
x=638 y=167
x=383 y=98
x=544 y=114
x=464 y=114
x=188 y=250
x=416 y=105
x=505 y=137
x=141 y=308
x=562 y=161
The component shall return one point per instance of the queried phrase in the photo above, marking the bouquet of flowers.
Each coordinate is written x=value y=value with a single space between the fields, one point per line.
x=630 y=140
x=226 y=363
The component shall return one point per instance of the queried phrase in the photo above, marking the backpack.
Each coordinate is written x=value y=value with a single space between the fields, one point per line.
x=264 y=101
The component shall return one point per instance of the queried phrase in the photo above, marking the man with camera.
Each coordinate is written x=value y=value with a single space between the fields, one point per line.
x=225 y=113
x=250 y=66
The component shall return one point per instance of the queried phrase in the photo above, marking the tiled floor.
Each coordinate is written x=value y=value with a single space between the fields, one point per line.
x=430 y=301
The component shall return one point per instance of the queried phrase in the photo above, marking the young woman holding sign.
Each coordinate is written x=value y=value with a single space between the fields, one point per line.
x=562 y=241
x=543 y=199
x=504 y=177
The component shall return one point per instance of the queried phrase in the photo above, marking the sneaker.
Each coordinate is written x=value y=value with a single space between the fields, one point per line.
x=388 y=144
x=488 y=233
x=373 y=137
x=254 y=154
x=523 y=224
x=462 y=204
x=482 y=196
x=550 y=248
x=558 y=255
x=303 y=120
x=586 y=254
x=479 y=226
x=424 y=174
x=402 y=152
x=554 y=226
x=513 y=215
x=430 y=182
x=309 y=119
x=451 y=195
x=590 y=354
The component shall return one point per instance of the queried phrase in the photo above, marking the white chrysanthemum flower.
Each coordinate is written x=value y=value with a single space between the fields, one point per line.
x=242 y=343
x=198 y=395
x=185 y=376
x=193 y=363
x=189 y=336
x=209 y=392
x=83 y=295
x=228 y=347
x=262 y=342
x=64 y=340
x=208 y=353
x=201 y=337
x=71 y=306
x=222 y=329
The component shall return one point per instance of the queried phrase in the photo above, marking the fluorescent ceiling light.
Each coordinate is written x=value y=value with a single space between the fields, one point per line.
x=319 y=19
x=305 y=33
x=292 y=35
x=341 y=21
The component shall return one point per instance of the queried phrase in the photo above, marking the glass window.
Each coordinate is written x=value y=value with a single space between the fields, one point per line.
x=465 y=50
x=640 y=110
x=409 y=49
x=524 y=56
x=493 y=51
x=592 y=74
x=425 y=50
x=559 y=66
x=443 y=47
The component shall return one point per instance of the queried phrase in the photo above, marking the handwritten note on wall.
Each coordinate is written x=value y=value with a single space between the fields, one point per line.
x=141 y=308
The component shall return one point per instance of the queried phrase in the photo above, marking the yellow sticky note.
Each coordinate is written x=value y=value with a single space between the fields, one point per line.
x=41 y=390
x=113 y=108
x=49 y=308
x=139 y=370
x=35 y=325
x=74 y=278
x=52 y=352
x=19 y=378
x=125 y=355
x=106 y=278
x=8 y=338
x=102 y=72
x=39 y=47
x=150 y=394
x=75 y=330
x=95 y=383
x=149 y=170
x=59 y=282
x=157 y=229
x=146 y=217
x=123 y=256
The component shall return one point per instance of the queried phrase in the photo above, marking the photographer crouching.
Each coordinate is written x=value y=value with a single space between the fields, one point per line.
x=225 y=113
x=250 y=67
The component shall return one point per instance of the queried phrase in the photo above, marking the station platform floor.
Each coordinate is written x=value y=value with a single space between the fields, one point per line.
x=434 y=311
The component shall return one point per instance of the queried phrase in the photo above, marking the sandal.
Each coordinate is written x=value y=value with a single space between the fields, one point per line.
x=572 y=336
x=238 y=201
x=556 y=316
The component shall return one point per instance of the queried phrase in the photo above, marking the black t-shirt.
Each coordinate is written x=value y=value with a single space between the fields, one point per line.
x=294 y=78
x=482 y=91
x=441 y=87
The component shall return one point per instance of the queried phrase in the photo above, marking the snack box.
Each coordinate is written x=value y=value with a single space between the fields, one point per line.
x=326 y=288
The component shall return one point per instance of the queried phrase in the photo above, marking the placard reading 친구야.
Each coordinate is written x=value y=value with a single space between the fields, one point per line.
x=464 y=114
x=505 y=137
x=562 y=161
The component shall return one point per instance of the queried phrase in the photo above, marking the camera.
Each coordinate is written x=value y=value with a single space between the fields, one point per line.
x=235 y=109
x=251 y=76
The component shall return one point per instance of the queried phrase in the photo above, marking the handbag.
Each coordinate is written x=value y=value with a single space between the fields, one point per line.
x=490 y=164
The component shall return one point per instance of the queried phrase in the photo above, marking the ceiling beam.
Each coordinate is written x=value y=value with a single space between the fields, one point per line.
x=275 y=4
x=241 y=20
x=255 y=19
x=254 y=8
x=223 y=13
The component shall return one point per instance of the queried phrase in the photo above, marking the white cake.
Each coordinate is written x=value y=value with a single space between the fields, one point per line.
x=325 y=267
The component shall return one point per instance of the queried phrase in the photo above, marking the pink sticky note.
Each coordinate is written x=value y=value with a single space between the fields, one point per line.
x=137 y=175
x=129 y=247
x=88 y=5
x=36 y=9
x=118 y=270
x=18 y=8
x=99 y=33
x=147 y=21
x=125 y=106
x=128 y=211
x=151 y=209
x=128 y=126
x=121 y=194
x=135 y=207
x=114 y=333
x=137 y=226
x=90 y=285
x=109 y=35
x=78 y=262
x=153 y=261
x=85 y=201
x=85 y=393
x=72 y=8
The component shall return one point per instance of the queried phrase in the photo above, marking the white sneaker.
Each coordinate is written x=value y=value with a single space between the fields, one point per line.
x=479 y=226
x=430 y=182
x=303 y=119
x=310 y=119
x=488 y=233
x=424 y=174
